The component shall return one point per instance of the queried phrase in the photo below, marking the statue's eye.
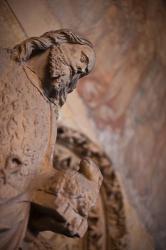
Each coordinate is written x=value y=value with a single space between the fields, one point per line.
x=84 y=58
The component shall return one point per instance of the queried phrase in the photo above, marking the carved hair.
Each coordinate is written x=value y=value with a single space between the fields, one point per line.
x=25 y=50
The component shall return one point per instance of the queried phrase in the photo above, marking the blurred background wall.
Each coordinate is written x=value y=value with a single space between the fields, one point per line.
x=122 y=104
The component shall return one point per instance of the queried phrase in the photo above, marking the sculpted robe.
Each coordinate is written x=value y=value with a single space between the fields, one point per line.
x=27 y=138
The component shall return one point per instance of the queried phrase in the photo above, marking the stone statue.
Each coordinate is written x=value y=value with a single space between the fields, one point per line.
x=36 y=76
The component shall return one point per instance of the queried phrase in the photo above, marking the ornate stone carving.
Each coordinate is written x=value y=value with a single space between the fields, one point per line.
x=36 y=77
x=106 y=222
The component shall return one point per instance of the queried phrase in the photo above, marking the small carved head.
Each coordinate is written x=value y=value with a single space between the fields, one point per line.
x=70 y=57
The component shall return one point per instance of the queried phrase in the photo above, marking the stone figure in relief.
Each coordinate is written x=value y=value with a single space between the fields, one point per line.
x=36 y=76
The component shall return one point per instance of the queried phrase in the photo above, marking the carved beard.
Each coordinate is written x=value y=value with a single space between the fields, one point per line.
x=61 y=78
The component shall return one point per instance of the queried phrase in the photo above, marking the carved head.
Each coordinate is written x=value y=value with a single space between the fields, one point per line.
x=70 y=57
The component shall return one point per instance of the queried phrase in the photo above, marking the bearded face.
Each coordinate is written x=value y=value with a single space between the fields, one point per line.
x=67 y=64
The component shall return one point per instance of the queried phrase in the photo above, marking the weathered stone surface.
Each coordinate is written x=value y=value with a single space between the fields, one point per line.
x=36 y=76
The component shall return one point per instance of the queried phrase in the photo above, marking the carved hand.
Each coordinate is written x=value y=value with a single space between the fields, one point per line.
x=63 y=203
